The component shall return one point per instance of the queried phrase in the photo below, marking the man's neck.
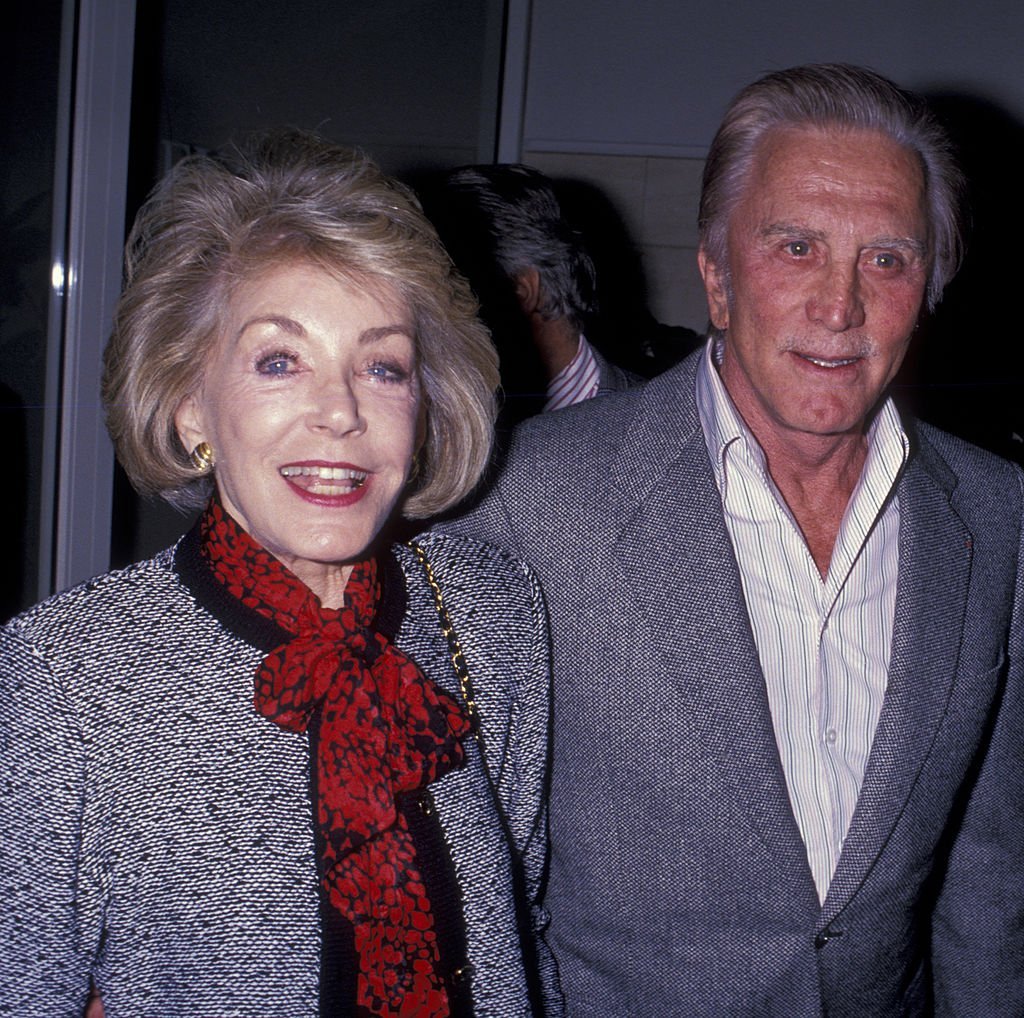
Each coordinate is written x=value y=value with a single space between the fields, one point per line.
x=816 y=480
x=556 y=340
x=815 y=473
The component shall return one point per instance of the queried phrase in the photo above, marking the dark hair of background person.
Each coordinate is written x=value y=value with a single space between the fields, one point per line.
x=499 y=220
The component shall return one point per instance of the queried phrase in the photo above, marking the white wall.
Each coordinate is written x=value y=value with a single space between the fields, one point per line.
x=651 y=77
x=626 y=96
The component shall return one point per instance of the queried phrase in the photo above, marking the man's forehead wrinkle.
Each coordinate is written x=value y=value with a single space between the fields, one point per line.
x=829 y=168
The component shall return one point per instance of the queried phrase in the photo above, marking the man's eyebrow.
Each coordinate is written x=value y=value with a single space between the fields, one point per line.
x=791 y=230
x=917 y=246
x=803 y=233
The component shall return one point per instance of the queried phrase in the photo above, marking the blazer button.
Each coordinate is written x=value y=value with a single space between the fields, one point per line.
x=464 y=975
x=426 y=804
x=822 y=938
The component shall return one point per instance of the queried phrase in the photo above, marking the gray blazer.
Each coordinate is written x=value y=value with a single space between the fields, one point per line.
x=679 y=882
x=156 y=833
x=612 y=378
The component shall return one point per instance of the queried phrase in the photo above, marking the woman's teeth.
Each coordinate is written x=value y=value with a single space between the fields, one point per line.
x=324 y=480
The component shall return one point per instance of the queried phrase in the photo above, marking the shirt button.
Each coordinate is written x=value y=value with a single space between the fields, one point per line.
x=830 y=736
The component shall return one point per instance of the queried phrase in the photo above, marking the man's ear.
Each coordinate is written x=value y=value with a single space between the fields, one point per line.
x=188 y=420
x=528 y=290
x=716 y=290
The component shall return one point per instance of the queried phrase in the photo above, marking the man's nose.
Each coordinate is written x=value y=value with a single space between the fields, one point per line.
x=836 y=302
x=334 y=408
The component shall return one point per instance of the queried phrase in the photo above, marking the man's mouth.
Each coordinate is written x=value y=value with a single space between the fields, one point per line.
x=829 y=362
x=318 y=480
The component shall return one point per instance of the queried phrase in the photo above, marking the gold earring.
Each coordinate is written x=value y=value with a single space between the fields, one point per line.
x=202 y=457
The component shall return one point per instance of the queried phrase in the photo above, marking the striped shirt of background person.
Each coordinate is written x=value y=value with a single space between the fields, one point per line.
x=577 y=381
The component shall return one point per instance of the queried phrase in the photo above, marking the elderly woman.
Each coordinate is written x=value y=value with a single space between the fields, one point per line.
x=285 y=767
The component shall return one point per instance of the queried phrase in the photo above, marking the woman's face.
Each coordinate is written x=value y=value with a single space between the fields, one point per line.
x=311 y=402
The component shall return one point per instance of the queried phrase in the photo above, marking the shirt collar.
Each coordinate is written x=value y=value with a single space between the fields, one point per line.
x=719 y=418
x=888 y=446
x=577 y=381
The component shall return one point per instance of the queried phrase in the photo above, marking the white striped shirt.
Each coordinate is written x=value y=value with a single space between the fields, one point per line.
x=577 y=381
x=823 y=644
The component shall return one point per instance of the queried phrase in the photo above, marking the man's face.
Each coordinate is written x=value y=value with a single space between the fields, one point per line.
x=826 y=273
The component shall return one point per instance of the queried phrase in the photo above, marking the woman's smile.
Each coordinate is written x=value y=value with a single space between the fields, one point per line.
x=340 y=484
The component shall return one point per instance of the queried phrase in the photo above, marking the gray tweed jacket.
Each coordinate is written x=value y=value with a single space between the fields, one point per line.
x=156 y=834
x=679 y=881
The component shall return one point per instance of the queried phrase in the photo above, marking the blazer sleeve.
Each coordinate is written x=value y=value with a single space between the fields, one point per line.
x=978 y=921
x=527 y=801
x=485 y=519
x=44 y=963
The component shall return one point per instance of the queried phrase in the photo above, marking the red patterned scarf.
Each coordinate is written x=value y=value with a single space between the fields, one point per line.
x=384 y=729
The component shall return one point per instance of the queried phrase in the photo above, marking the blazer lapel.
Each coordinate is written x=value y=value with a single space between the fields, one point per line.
x=931 y=599
x=675 y=556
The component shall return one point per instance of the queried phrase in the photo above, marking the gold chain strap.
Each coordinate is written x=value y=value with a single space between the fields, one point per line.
x=454 y=647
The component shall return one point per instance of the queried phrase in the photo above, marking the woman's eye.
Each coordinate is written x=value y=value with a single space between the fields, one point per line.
x=799 y=248
x=276 y=364
x=386 y=371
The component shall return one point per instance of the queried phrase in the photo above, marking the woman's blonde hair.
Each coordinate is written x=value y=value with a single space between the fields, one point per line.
x=216 y=221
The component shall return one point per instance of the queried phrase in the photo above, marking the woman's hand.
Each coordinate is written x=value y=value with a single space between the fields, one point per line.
x=94 y=1009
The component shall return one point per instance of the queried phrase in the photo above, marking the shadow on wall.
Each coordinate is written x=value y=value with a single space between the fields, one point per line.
x=621 y=325
x=24 y=301
x=624 y=329
x=965 y=372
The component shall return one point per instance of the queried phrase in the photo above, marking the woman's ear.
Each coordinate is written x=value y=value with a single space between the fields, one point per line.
x=716 y=289
x=188 y=420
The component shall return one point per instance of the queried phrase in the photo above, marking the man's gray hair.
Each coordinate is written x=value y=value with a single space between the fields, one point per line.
x=515 y=206
x=824 y=96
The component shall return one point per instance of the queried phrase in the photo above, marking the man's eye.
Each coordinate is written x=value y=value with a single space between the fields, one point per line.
x=798 y=248
x=887 y=260
x=275 y=364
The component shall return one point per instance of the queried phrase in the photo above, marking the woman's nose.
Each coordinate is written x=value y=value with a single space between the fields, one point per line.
x=335 y=408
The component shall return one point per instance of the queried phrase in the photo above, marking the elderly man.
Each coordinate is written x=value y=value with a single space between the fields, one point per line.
x=788 y=773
